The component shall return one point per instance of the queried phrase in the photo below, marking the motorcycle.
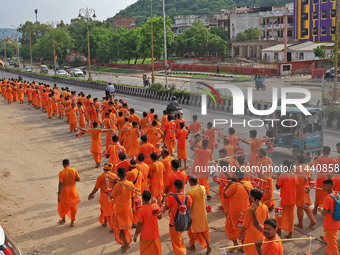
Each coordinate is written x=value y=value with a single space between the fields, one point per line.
x=259 y=84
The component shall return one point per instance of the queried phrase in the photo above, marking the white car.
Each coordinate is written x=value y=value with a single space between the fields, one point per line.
x=7 y=244
x=62 y=73
x=76 y=73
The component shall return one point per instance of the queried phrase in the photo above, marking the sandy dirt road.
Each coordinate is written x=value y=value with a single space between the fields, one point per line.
x=32 y=148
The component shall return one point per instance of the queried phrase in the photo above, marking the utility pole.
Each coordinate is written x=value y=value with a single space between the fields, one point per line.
x=52 y=24
x=165 y=49
x=152 y=62
x=5 y=49
x=87 y=12
x=30 y=33
x=17 y=50
x=336 y=53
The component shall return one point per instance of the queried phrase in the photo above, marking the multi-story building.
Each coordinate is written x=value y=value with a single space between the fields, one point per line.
x=272 y=23
x=184 y=22
x=124 y=22
x=314 y=20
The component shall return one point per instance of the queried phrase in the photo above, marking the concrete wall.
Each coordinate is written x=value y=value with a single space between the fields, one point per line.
x=240 y=22
x=301 y=67
x=269 y=56
x=223 y=68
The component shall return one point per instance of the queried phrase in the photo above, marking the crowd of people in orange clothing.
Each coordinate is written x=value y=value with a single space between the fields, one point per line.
x=144 y=176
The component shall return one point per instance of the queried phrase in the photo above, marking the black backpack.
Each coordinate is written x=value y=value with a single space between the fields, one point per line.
x=182 y=221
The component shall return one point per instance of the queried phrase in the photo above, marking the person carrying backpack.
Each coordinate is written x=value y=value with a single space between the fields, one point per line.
x=180 y=220
x=331 y=211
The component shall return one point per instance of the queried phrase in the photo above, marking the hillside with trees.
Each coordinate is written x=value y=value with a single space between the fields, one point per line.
x=141 y=9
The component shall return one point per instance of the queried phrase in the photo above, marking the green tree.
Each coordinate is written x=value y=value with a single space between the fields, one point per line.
x=108 y=47
x=144 y=42
x=320 y=51
x=36 y=29
x=250 y=34
x=63 y=43
x=221 y=32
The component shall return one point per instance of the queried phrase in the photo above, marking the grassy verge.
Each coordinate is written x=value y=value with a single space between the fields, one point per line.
x=157 y=87
x=241 y=79
x=112 y=70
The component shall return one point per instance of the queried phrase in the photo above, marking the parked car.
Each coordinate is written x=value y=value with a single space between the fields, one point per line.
x=62 y=73
x=11 y=63
x=28 y=69
x=76 y=73
x=330 y=73
x=7 y=244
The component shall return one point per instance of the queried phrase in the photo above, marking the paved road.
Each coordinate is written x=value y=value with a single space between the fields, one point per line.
x=190 y=84
x=141 y=104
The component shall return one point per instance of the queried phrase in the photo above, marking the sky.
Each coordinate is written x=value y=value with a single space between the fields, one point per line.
x=16 y=12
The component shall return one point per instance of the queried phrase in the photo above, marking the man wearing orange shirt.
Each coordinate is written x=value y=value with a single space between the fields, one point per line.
x=136 y=177
x=324 y=165
x=154 y=135
x=133 y=117
x=195 y=126
x=106 y=205
x=255 y=145
x=81 y=111
x=264 y=166
x=147 y=227
x=68 y=197
x=164 y=119
x=113 y=151
x=133 y=140
x=166 y=160
x=124 y=162
x=210 y=133
x=72 y=117
x=268 y=229
x=96 y=142
x=249 y=234
x=170 y=135
x=230 y=149
x=169 y=185
x=232 y=137
x=199 y=230
x=200 y=165
x=144 y=122
x=107 y=125
x=144 y=168
x=303 y=200
x=125 y=128
x=330 y=225
x=238 y=193
x=172 y=205
x=146 y=148
x=150 y=116
x=179 y=120
x=156 y=171
x=182 y=136
x=123 y=215
x=287 y=182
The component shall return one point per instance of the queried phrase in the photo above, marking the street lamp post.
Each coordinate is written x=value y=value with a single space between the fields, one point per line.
x=165 y=48
x=52 y=24
x=152 y=61
x=87 y=13
x=30 y=34
x=336 y=53
x=16 y=37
